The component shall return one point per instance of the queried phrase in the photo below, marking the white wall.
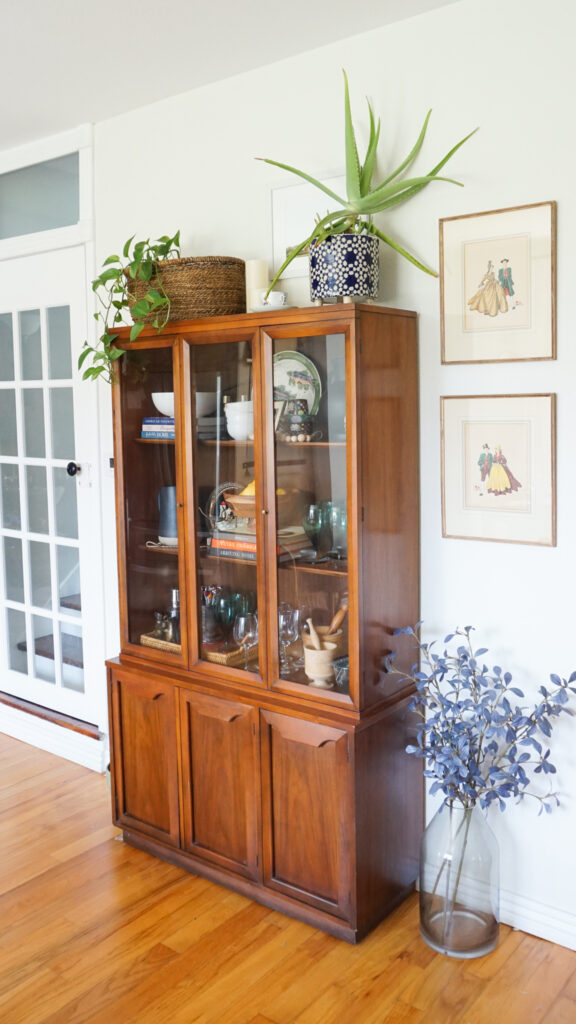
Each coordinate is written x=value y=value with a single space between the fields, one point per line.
x=189 y=163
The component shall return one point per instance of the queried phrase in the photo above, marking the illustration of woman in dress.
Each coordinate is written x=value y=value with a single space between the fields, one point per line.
x=501 y=479
x=490 y=298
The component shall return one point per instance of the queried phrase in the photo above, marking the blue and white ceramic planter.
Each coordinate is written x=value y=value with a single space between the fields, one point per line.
x=344 y=265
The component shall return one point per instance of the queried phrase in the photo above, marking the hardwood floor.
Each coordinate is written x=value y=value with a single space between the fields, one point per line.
x=95 y=932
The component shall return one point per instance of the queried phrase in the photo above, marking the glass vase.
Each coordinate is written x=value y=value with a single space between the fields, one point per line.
x=459 y=883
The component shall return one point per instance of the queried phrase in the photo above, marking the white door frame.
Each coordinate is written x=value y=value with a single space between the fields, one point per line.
x=44 y=734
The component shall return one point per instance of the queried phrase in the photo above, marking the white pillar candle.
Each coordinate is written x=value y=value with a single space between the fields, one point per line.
x=256 y=279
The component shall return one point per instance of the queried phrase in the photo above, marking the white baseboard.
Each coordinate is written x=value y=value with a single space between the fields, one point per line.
x=538 y=919
x=73 y=746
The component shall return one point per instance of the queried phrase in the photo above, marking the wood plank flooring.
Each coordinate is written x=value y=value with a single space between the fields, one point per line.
x=94 y=932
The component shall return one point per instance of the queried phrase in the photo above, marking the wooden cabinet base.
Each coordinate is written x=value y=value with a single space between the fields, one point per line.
x=315 y=816
x=260 y=894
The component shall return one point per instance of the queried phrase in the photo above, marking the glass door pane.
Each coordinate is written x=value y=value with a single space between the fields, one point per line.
x=38 y=506
x=226 y=503
x=152 y=531
x=310 y=462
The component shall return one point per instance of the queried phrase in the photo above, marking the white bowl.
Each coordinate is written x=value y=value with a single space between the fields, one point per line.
x=234 y=407
x=164 y=402
x=206 y=402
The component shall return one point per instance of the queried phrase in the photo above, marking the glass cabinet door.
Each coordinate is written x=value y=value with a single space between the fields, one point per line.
x=227 y=502
x=151 y=502
x=310 y=465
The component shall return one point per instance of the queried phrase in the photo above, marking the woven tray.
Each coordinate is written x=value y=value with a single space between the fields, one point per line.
x=149 y=640
x=232 y=658
x=198 y=286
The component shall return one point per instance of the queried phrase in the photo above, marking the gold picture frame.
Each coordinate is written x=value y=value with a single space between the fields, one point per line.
x=499 y=468
x=498 y=285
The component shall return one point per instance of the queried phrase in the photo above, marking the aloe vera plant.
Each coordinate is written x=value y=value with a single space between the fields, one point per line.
x=363 y=199
x=114 y=288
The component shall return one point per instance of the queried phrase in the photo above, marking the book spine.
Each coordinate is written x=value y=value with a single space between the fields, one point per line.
x=234 y=545
x=249 y=556
x=166 y=421
x=158 y=435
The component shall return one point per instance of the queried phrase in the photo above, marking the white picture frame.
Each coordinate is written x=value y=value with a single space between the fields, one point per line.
x=498 y=468
x=294 y=210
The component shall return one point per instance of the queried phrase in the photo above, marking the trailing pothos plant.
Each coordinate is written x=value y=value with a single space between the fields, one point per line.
x=363 y=198
x=115 y=288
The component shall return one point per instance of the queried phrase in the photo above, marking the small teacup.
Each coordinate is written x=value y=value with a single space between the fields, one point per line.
x=275 y=299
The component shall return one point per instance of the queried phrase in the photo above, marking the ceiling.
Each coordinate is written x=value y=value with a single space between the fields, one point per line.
x=70 y=62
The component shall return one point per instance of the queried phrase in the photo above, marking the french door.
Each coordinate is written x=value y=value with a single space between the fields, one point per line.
x=51 y=604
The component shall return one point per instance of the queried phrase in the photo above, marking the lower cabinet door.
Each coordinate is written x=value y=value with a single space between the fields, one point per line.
x=308 y=804
x=220 y=781
x=144 y=764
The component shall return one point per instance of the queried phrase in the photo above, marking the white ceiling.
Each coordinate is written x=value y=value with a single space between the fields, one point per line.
x=70 y=62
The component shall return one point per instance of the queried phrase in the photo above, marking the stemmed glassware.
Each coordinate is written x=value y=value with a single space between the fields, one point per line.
x=245 y=633
x=287 y=634
x=226 y=608
x=301 y=616
x=317 y=527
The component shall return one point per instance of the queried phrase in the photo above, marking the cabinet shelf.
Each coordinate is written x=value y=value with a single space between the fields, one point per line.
x=160 y=549
x=282 y=444
x=155 y=440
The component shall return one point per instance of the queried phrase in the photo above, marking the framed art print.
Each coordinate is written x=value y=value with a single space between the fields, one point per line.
x=498 y=468
x=497 y=285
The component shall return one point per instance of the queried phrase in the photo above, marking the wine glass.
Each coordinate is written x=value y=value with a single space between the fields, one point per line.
x=245 y=633
x=339 y=527
x=301 y=616
x=317 y=528
x=287 y=634
x=225 y=613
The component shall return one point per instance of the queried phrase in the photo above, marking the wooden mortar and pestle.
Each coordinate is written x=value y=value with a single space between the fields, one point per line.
x=320 y=652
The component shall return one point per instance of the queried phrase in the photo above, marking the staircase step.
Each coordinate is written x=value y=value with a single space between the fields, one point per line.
x=71 y=648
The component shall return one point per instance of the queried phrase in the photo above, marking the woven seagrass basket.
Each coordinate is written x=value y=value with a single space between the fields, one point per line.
x=197 y=286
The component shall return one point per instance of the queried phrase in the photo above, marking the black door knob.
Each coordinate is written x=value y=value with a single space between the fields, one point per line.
x=72 y=468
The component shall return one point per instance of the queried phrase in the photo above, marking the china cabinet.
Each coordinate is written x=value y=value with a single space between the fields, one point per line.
x=267 y=515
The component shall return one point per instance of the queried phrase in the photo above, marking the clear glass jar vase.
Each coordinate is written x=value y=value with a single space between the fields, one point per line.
x=459 y=883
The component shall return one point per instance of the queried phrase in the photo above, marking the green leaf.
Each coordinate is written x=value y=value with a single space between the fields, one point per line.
x=307 y=177
x=352 y=162
x=370 y=161
x=146 y=271
x=136 y=330
x=140 y=308
x=112 y=274
x=126 y=248
x=413 y=152
x=111 y=259
x=402 y=252
x=378 y=199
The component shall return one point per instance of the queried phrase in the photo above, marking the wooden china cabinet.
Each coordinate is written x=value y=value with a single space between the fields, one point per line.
x=228 y=759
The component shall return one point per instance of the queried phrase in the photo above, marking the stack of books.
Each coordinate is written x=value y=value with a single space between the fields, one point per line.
x=233 y=543
x=210 y=427
x=158 y=427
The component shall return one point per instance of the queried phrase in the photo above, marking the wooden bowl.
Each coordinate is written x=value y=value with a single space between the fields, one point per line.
x=243 y=505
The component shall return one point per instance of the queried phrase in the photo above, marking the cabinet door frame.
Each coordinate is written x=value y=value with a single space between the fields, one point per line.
x=290 y=331
x=245 y=333
x=151 y=688
x=151 y=654
x=317 y=735
x=228 y=712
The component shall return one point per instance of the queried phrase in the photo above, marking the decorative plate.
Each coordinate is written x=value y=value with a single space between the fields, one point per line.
x=296 y=376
